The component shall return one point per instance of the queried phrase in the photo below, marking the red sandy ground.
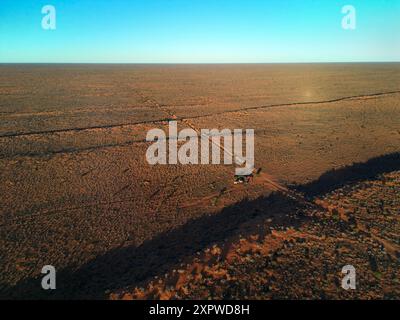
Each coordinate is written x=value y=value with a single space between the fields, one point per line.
x=77 y=192
x=358 y=225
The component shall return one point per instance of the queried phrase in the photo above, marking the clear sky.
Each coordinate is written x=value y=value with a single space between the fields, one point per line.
x=199 y=31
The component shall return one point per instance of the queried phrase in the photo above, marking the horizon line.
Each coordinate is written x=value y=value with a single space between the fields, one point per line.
x=205 y=63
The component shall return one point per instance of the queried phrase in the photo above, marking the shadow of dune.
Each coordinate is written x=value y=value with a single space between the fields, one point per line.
x=335 y=179
x=132 y=266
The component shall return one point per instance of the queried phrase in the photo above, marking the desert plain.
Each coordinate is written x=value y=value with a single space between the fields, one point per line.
x=77 y=193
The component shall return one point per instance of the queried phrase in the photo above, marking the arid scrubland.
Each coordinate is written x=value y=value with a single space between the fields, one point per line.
x=77 y=191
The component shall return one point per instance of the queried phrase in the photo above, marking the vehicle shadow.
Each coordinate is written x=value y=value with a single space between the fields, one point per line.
x=133 y=265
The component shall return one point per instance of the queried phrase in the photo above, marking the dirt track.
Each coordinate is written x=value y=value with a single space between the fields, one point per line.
x=76 y=188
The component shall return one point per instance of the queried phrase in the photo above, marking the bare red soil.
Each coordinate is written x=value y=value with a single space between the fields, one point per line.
x=78 y=193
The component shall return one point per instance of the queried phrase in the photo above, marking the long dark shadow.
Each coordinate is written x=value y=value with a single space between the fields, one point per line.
x=335 y=179
x=133 y=266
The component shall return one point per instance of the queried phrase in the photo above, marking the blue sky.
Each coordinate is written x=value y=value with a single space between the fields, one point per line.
x=199 y=31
